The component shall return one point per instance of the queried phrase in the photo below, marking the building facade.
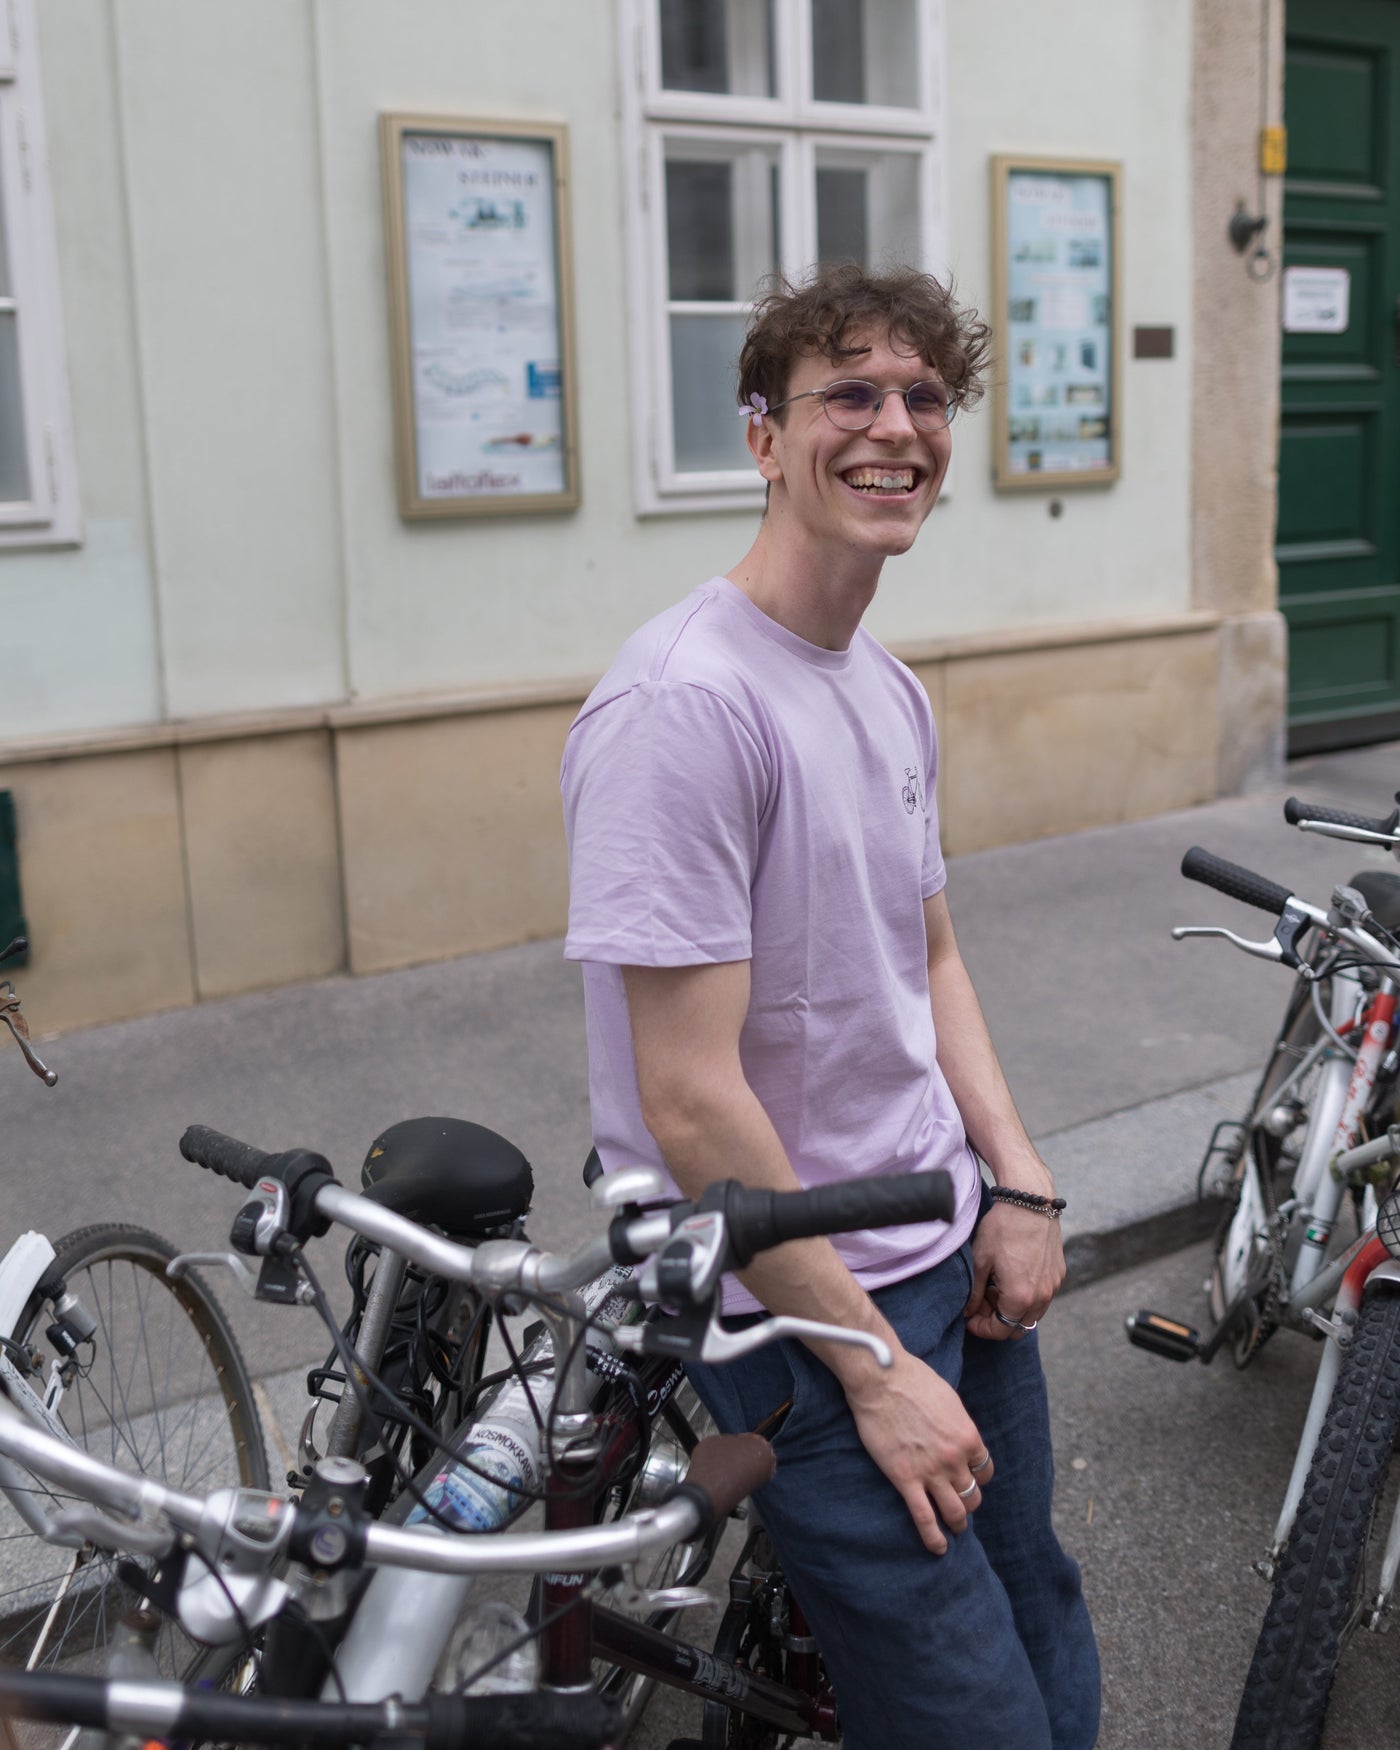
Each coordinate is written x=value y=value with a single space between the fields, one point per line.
x=258 y=726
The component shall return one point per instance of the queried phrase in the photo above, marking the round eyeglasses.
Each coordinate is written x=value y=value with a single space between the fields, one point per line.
x=855 y=405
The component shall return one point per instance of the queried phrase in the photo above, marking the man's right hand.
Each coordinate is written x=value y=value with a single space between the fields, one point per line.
x=913 y=1424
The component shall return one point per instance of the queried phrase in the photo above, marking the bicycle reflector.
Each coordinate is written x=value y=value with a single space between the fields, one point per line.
x=1388 y=1223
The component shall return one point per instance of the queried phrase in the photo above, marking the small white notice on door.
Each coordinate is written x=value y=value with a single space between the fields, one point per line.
x=1316 y=300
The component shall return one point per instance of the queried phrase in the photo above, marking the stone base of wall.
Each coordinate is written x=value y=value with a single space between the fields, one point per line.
x=174 y=865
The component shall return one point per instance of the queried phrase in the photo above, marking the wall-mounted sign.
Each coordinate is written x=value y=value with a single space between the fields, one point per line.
x=479 y=282
x=1056 y=273
x=1316 y=300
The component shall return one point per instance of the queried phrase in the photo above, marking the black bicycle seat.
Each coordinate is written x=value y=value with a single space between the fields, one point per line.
x=1381 y=891
x=450 y=1174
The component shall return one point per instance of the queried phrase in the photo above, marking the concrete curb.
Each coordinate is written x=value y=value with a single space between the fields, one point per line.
x=1092 y=1256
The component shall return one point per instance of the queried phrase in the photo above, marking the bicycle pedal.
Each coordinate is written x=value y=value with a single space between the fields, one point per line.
x=1160 y=1335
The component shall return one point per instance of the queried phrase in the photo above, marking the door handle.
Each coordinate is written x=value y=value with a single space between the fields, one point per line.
x=1396 y=320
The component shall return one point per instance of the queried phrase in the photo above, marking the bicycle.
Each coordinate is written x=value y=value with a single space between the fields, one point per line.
x=1306 y=1140
x=375 y=1647
x=105 y=1351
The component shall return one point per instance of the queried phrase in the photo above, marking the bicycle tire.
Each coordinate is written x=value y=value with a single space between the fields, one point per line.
x=1314 y=1607
x=160 y=1388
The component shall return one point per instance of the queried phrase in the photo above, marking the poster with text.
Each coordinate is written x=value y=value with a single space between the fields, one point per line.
x=1058 y=337
x=480 y=237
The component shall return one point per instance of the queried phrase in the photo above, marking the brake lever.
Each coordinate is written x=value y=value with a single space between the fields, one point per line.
x=695 y=1334
x=1270 y=950
x=721 y=1345
x=19 y=1028
x=1357 y=834
x=75 y=1526
x=277 y=1281
x=631 y=1597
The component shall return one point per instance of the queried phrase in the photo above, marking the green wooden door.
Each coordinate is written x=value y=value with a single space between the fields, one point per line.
x=1339 y=440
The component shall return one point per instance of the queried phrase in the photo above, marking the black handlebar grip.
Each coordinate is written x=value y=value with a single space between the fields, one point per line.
x=757 y=1219
x=1241 y=884
x=1295 y=810
x=224 y=1155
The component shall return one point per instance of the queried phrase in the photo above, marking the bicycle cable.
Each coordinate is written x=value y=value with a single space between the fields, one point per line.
x=355 y=1367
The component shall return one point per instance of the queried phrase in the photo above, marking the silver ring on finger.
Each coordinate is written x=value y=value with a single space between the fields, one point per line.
x=1013 y=1324
x=971 y=1489
x=982 y=1462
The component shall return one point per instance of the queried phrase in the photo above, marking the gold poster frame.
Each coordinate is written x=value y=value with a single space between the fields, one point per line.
x=1003 y=167
x=412 y=504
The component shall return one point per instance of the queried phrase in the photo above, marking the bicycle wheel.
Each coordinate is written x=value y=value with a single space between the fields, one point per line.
x=684 y=1421
x=160 y=1388
x=1320 y=1587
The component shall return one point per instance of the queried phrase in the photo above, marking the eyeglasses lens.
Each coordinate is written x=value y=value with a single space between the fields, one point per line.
x=854 y=406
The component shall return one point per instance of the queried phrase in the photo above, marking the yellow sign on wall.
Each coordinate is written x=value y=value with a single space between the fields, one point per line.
x=1273 y=151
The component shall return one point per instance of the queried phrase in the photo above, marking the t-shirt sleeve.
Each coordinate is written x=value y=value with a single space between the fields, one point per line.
x=935 y=874
x=664 y=790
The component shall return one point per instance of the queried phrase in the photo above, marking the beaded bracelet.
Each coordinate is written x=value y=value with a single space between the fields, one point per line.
x=1047 y=1206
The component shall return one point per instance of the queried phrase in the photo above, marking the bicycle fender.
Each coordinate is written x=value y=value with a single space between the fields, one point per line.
x=1386 y=1275
x=20 y=1271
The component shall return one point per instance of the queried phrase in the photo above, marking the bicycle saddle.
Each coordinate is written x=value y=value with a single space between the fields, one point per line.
x=1381 y=891
x=449 y=1173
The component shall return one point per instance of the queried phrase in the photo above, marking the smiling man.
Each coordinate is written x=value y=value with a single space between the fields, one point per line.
x=774 y=993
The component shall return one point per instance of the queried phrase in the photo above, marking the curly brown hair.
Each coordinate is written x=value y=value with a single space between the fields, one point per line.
x=917 y=311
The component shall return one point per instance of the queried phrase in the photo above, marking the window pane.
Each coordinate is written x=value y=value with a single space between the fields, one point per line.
x=721 y=219
x=724 y=46
x=14 y=460
x=709 y=428
x=868 y=207
x=843 y=231
x=700 y=230
x=866 y=51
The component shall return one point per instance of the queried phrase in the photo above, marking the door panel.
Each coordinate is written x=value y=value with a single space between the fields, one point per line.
x=1339 y=441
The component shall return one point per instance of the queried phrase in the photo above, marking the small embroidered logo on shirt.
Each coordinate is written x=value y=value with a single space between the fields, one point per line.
x=912 y=793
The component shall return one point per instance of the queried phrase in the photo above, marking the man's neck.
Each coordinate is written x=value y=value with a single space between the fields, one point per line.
x=821 y=596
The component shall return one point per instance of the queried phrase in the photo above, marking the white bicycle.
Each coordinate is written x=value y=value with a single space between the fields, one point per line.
x=277 y=1584
x=113 y=1356
x=1319 y=1136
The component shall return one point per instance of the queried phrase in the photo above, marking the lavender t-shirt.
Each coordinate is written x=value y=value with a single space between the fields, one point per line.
x=732 y=792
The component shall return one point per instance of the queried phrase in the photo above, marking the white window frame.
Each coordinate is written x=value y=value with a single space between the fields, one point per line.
x=798 y=126
x=50 y=516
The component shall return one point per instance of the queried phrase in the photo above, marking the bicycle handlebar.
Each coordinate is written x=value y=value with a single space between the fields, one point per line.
x=1231 y=878
x=530 y=1721
x=757 y=1220
x=728 y=1463
x=1296 y=811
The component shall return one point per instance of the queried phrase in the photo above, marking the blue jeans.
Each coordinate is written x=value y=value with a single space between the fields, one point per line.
x=988 y=1647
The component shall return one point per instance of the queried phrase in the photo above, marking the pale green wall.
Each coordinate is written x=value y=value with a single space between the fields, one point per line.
x=216 y=178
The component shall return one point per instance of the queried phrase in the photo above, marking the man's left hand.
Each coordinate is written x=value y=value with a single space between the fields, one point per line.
x=1018 y=1266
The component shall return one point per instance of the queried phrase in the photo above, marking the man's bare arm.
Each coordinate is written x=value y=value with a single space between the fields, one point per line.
x=1018 y=1257
x=709 y=1125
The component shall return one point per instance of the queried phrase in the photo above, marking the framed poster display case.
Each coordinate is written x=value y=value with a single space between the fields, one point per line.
x=476 y=222
x=1057 y=274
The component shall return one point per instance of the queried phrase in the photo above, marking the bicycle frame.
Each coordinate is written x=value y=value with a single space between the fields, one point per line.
x=404 y=1621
